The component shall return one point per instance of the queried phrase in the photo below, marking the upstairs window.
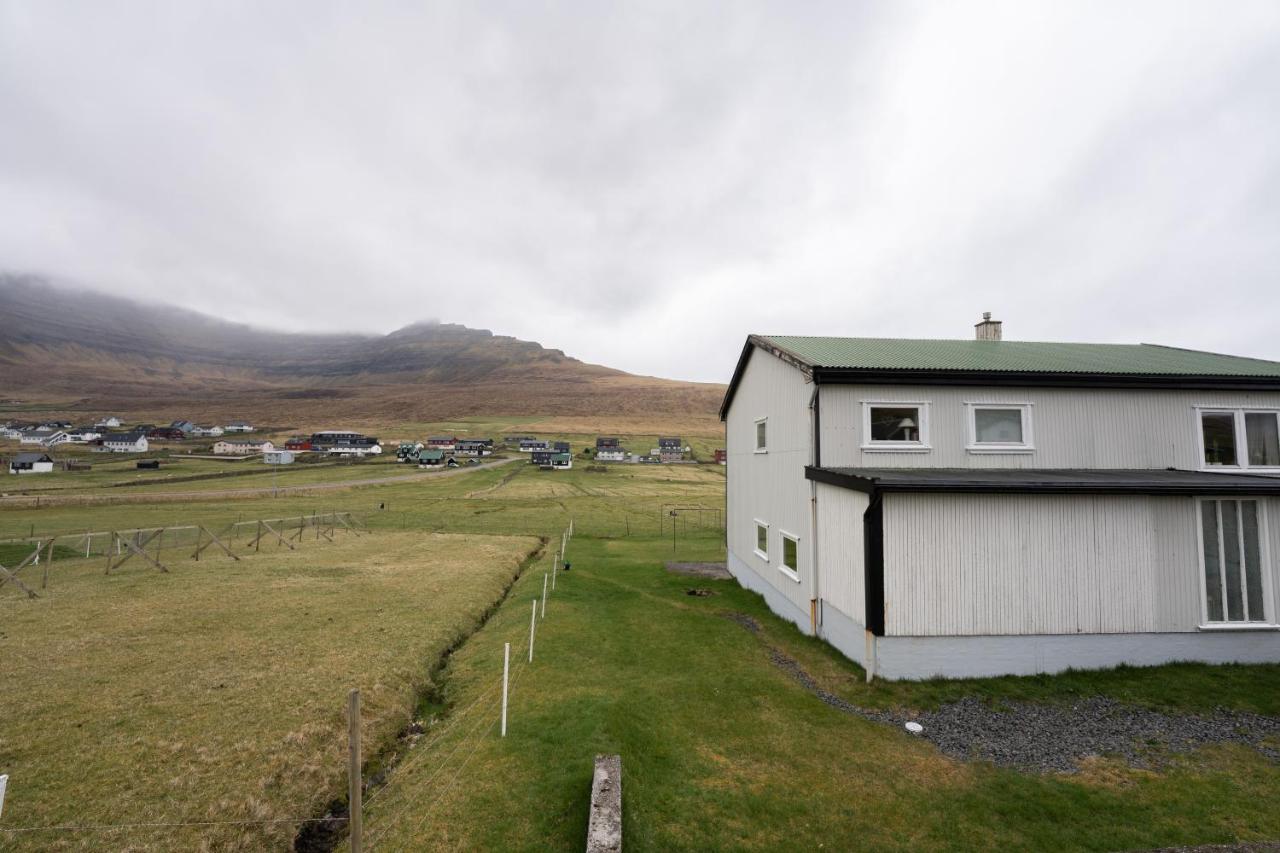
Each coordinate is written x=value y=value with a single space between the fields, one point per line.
x=895 y=426
x=762 y=435
x=999 y=427
x=1238 y=438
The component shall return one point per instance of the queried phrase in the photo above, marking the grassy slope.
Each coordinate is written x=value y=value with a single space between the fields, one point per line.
x=217 y=691
x=722 y=751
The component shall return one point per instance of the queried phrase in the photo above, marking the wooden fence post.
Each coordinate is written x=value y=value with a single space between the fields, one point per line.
x=354 y=781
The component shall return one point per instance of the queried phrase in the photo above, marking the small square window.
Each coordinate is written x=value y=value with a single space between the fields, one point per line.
x=762 y=435
x=762 y=540
x=894 y=427
x=1218 y=430
x=999 y=427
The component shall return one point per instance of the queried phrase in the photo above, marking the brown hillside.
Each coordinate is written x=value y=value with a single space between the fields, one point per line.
x=91 y=353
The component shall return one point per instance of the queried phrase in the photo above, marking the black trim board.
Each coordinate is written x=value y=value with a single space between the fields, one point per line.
x=1095 y=482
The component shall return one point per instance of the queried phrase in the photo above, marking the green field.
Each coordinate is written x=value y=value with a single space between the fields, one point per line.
x=721 y=748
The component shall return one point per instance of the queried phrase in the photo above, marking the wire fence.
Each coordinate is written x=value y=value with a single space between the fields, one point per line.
x=478 y=720
x=162 y=546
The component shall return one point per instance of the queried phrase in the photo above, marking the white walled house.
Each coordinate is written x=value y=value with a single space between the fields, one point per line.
x=278 y=457
x=241 y=447
x=125 y=442
x=31 y=463
x=987 y=507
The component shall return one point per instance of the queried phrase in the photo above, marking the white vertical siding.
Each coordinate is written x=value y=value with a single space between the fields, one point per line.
x=840 y=549
x=1040 y=564
x=771 y=486
x=1073 y=428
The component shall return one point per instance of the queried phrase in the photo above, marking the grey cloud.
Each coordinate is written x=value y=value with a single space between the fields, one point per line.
x=641 y=185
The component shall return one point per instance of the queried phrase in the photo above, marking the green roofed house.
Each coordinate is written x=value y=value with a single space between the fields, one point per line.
x=430 y=457
x=987 y=507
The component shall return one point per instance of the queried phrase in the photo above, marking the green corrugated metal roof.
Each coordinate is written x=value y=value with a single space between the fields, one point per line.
x=1029 y=356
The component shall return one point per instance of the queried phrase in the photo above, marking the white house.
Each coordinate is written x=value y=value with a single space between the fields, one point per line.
x=31 y=463
x=110 y=422
x=983 y=507
x=242 y=447
x=208 y=432
x=125 y=442
x=37 y=435
x=611 y=454
x=278 y=457
x=83 y=435
x=239 y=426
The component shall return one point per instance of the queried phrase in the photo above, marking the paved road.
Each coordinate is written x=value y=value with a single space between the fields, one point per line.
x=151 y=496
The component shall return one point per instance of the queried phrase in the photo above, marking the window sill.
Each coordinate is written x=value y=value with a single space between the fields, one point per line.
x=988 y=449
x=761 y=554
x=1239 y=469
x=762 y=450
x=1239 y=626
x=791 y=573
x=896 y=448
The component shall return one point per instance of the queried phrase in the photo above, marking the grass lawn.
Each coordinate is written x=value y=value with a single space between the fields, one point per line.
x=722 y=751
x=217 y=691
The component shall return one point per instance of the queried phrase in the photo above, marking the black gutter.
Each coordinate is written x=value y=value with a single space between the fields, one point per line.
x=1259 y=486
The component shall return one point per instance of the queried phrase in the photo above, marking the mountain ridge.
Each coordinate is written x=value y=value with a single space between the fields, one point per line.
x=107 y=353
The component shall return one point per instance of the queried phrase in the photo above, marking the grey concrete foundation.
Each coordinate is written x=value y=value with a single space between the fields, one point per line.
x=777 y=602
x=917 y=658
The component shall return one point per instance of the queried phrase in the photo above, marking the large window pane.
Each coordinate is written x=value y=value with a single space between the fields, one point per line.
x=1212 y=569
x=893 y=423
x=1262 y=436
x=1252 y=561
x=1231 y=561
x=1219 y=430
x=998 y=426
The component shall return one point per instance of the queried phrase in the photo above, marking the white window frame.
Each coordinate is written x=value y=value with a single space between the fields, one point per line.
x=755 y=438
x=792 y=572
x=1242 y=438
x=921 y=446
x=1027 y=445
x=755 y=545
x=1264 y=554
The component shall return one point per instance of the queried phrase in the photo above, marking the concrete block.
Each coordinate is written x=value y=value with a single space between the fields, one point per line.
x=604 y=828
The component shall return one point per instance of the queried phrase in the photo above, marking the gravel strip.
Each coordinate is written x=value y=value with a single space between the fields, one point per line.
x=1055 y=737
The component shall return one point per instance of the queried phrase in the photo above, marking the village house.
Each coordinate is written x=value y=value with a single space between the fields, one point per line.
x=109 y=422
x=123 y=442
x=474 y=447
x=207 y=431
x=551 y=460
x=36 y=435
x=721 y=456
x=529 y=445
x=241 y=447
x=30 y=463
x=441 y=442
x=670 y=449
x=187 y=427
x=428 y=458
x=988 y=507
x=298 y=443
x=166 y=434
x=278 y=457
x=344 y=442
x=239 y=426
x=607 y=442
x=83 y=435
x=610 y=454
x=408 y=451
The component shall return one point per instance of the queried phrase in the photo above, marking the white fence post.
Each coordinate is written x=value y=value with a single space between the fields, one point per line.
x=554 y=564
x=506 y=668
x=544 y=596
x=533 y=623
x=4 y=783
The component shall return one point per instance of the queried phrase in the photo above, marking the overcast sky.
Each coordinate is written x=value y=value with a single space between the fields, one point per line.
x=643 y=184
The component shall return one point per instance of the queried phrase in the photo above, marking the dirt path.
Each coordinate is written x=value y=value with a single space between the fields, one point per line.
x=25 y=501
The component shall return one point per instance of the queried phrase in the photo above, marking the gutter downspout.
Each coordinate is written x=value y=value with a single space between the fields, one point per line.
x=815 y=601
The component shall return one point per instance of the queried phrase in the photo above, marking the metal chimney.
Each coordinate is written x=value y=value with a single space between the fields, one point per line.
x=988 y=329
